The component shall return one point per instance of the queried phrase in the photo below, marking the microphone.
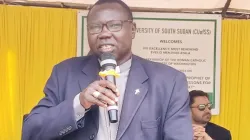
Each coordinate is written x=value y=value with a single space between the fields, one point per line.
x=108 y=66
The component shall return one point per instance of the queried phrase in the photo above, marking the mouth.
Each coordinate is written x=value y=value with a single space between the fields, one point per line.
x=106 y=48
x=207 y=115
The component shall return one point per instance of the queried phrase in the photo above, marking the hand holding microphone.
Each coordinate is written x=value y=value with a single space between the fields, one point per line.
x=103 y=93
x=100 y=92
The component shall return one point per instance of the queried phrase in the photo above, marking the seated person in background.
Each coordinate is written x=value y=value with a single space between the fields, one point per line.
x=201 y=115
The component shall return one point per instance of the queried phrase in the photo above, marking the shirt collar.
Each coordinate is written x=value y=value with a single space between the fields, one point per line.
x=123 y=67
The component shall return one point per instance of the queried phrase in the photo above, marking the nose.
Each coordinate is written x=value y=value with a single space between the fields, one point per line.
x=105 y=33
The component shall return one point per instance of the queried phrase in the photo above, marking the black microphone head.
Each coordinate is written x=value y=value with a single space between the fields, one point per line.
x=107 y=55
x=107 y=59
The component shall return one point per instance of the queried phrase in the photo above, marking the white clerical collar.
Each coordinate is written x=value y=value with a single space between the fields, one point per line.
x=123 y=67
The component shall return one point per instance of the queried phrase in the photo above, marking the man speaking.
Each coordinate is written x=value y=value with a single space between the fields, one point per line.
x=151 y=99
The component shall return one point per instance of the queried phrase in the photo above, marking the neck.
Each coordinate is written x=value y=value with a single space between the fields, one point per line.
x=120 y=62
x=200 y=124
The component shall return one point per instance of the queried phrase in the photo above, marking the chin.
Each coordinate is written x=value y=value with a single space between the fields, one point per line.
x=207 y=120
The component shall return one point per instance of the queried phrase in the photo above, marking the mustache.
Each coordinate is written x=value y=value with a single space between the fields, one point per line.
x=207 y=114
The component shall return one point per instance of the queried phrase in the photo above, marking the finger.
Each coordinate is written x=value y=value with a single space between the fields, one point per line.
x=195 y=138
x=109 y=94
x=202 y=129
x=203 y=134
x=198 y=128
x=200 y=138
x=109 y=85
x=95 y=87
x=100 y=86
x=106 y=92
x=95 y=101
x=105 y=99
x=85 y=96
x=198 y=134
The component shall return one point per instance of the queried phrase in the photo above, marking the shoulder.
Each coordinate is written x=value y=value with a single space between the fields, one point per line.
x=74 y=61
x=70 y=66
x=219 y=129
x=162 y=70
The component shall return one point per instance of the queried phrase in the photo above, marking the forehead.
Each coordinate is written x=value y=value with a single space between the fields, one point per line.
x=201 y=100
x=106 y=12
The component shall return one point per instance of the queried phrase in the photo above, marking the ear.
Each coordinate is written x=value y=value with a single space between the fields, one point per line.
x=133 y=30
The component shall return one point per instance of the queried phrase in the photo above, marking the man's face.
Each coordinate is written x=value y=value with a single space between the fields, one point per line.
x=201 y=115
x=117 y=42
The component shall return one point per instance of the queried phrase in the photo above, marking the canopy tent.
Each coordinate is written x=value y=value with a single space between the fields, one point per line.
x=229 y=8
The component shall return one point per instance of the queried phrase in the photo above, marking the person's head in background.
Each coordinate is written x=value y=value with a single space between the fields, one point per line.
x=111 y=29
x=200 y=107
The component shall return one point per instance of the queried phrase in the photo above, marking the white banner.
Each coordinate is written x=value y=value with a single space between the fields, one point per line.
x=188 y=42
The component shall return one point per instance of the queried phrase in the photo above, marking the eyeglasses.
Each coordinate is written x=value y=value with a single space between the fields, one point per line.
x=112 y=25
x=202 y=107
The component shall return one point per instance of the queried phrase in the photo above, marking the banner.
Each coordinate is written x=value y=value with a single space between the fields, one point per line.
x=188 y=42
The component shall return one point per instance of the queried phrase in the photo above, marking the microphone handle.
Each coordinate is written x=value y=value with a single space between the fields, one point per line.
x=113 y=109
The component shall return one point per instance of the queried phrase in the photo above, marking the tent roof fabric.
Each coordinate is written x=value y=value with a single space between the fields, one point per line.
x=194 y=6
